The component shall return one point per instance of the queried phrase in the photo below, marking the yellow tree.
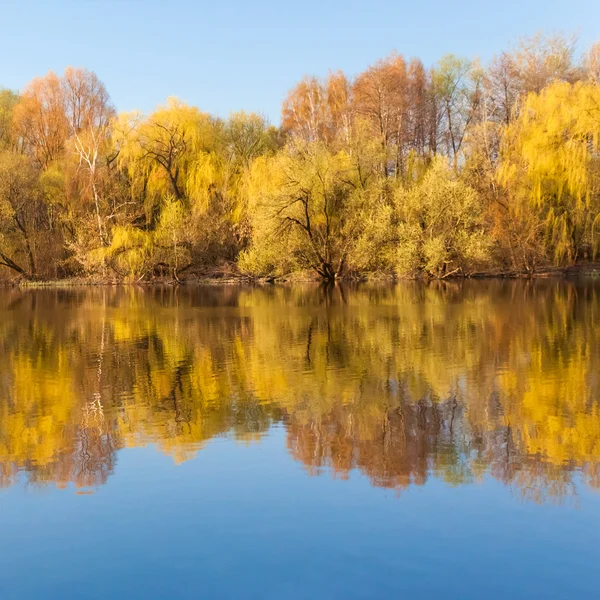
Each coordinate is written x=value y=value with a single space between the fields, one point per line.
x=307 y=210
x=169 y=152
x=22 y=213
x=550 y=161
x=8 y=102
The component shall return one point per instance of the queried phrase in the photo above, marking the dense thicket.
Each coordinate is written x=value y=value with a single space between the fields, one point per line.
x=406 y=170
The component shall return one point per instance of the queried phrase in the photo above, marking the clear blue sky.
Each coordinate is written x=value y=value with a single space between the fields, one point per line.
x=225 y=56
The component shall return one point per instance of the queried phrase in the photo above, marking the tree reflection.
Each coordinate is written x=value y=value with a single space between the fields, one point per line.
x=456 y=380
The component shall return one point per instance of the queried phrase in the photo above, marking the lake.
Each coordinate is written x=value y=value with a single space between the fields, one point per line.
x=369 y=441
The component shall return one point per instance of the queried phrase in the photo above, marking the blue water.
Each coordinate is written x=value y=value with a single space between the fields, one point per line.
x=244 y=517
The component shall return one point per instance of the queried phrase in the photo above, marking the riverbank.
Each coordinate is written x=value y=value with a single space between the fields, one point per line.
x=591 y=270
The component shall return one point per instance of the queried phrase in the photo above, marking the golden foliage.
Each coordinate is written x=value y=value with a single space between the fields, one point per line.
x=400 y=382
x=550 y=160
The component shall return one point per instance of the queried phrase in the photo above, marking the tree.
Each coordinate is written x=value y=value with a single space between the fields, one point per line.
x=40 y=119
x=340 y=107
x=550 y=162
x=591 y=63
x=542 y=60
x=21 y=213
x=422 y=132
x=90 y=115
x=169 y=153
x=456 y=94
x=441 y=228
x=8 y=102
x=307 y=208
x=304 y=111
x=381 y=98
x=504 y=88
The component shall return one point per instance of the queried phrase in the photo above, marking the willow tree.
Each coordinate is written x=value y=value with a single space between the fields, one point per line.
x=307 y=207
x=551 y=163
x=246 y=136
x=172 y=155
x=171 y=152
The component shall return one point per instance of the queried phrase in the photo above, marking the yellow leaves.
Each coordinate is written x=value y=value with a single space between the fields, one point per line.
x=306 y=208
x=440 y=225
x=550 y=160
x=556 y=136
x=163 y=153
x=131 y=251
x=44 y=407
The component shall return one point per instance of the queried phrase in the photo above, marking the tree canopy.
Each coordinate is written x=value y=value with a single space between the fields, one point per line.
x=401 y=170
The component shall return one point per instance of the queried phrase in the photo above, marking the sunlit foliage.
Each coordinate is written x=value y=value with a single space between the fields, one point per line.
x=551 y=161
x=341 y=189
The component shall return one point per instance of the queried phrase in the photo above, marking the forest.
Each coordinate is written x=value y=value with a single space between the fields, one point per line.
x=404 y=170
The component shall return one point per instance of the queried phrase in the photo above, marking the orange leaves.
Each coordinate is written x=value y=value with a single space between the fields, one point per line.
x=40 y=118
x=53 y=109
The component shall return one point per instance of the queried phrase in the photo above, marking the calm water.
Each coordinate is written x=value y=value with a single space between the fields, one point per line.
x=370 y=442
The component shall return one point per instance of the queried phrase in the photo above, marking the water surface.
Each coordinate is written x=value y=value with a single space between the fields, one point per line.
x=301 y=442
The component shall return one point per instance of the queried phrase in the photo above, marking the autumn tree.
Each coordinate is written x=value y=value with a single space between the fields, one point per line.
x=307 y=209
x=340 y=104
x=22 y=214
x=41 y=120
x=304 y=111
x=545 y=59
x=8 y=102
x=550 y=161
x=90 y=115
x=440 y=226
x=422 y=123
x=591 y=63
x=381 y=97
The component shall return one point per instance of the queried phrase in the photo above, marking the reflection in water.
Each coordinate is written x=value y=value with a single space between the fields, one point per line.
x=452 y=380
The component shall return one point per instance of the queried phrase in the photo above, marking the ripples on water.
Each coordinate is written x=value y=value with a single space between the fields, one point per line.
x=459 y=383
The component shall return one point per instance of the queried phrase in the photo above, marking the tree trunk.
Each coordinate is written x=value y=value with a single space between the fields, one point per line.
x=326 y=271
x=7 y=262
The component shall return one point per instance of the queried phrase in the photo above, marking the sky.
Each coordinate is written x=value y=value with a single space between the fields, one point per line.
x=245 y=55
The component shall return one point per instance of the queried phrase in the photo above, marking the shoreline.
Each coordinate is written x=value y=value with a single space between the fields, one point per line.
x=583 y=271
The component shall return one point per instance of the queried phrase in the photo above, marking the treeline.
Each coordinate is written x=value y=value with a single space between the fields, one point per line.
x=402 y=170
